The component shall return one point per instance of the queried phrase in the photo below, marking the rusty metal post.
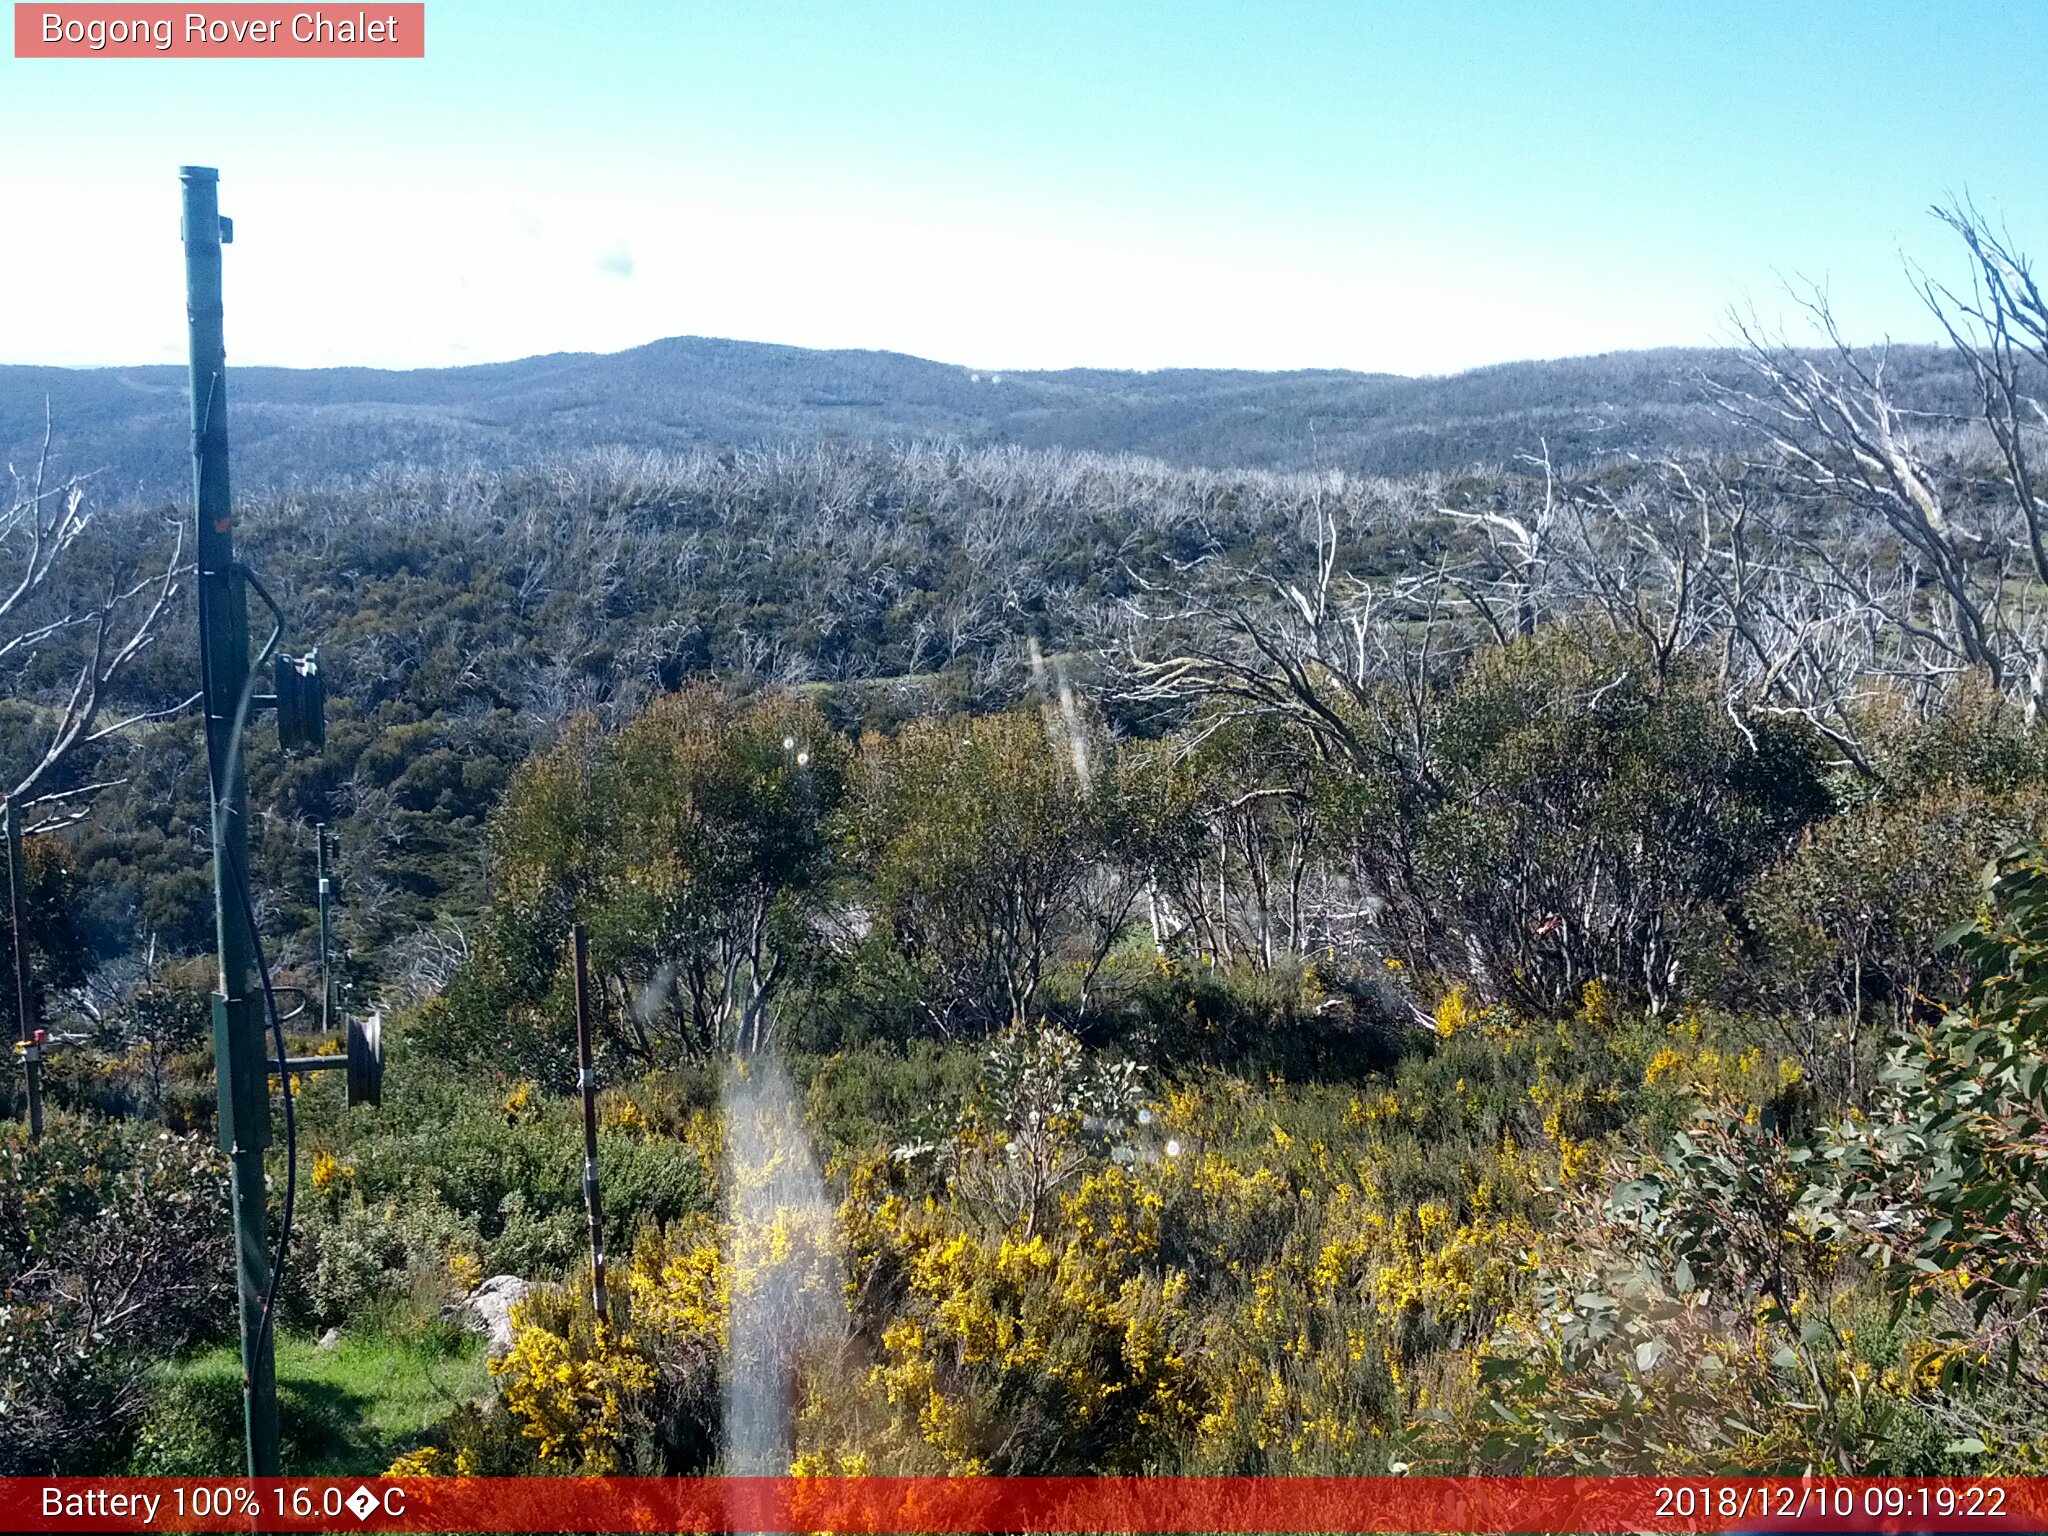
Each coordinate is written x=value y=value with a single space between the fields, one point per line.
x=586 y=1082
x=29 y=1045
x=326 y=894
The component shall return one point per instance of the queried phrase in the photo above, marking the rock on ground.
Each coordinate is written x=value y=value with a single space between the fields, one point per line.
x=492 y=1302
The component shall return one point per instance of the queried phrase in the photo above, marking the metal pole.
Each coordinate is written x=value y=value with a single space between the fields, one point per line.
x=586 y=1080
x=24 y=991
x=224 y=664
x=326 y=985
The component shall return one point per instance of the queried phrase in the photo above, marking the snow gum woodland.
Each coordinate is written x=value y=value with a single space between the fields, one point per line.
x=1524 y=967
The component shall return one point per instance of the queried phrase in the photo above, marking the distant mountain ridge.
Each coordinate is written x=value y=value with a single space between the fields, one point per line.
x=313 y=425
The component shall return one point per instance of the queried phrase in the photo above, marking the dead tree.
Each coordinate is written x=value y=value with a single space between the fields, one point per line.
x=89 y=626
x=1960 y=574
x=2000 y=330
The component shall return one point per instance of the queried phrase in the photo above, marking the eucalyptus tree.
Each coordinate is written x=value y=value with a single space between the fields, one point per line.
x=695 y=844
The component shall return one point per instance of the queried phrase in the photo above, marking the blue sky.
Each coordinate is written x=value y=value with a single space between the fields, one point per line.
x=1407 y=187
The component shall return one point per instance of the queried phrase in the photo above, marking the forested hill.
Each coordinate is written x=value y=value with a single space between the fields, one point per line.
x=305 y=426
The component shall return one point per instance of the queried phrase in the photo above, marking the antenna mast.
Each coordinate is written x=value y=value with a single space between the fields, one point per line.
x=238 y=1048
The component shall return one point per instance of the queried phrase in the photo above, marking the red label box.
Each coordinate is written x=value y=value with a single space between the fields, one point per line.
x=240 y=31
x=985 y=1506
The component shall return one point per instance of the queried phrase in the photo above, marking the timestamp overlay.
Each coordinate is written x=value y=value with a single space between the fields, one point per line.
x=914 y=1504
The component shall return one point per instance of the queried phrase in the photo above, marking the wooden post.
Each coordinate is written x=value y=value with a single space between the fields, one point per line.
x=586 y=1081
x=324 y=890
x=30 y=1047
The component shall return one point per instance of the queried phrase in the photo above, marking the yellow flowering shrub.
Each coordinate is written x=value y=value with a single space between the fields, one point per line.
x=1416 y=1268
x=1596 y=1006
x=1067 y=1350
x=679 y=1286
x=616 y=1112
x=433 y=1461
x=1114 y=1212
x=466 y=1270
x=1458 y=1011
x=1687 y=1062
x=1455 y=1012
x=1449 y=1270
x=575 y=1387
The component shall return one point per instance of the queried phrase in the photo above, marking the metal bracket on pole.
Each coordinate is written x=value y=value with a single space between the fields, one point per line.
x=363 y=1061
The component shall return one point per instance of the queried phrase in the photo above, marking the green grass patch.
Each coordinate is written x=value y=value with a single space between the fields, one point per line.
x=341 y=1412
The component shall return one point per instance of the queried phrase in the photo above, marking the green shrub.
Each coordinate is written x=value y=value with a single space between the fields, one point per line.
x=114 y=1254
x=1847 y=927
x=692 y=843
x=1949 y=1178
x=354 y=1258
x=979 y=837
x=879 y=1096
x=1287 y=1019
x=194 y=1427
x=1579 y=813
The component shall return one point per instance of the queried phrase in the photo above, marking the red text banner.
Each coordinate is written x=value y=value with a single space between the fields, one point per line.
x=880 y=1504
x=238 y=31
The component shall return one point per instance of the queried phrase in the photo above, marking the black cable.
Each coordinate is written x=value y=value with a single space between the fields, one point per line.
x=291 y=1134
x=219 y=794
